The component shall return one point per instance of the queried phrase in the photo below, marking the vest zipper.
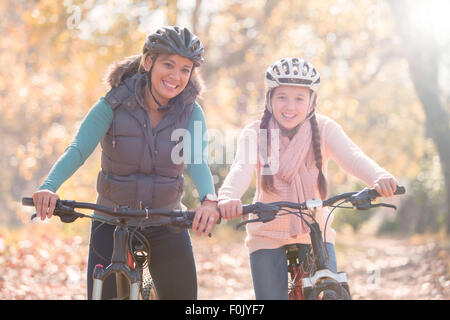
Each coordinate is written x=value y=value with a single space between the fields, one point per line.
x=114 y=135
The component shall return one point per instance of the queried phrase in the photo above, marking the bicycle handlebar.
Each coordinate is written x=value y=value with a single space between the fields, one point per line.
x=68 y=206
x=65 y=210
x=360 y=200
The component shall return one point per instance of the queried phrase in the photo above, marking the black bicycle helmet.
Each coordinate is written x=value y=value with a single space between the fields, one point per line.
x=175 y=40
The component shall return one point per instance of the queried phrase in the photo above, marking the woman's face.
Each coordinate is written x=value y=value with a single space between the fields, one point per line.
x=290 y=105
x=170 y=75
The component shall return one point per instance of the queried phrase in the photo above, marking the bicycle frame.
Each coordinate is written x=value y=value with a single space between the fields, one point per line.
x=128 y=272
x=128 y=278
x=320 y=279
x=296 y=272
x=301 y=285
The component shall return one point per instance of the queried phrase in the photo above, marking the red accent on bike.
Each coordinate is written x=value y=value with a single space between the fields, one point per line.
x=130 y=260
x=296 y=276
x=99 y=266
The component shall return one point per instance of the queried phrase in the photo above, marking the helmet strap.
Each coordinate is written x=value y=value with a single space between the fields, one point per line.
x=311 y=112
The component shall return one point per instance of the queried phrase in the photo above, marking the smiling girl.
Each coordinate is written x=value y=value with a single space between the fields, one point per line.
x=307 y=140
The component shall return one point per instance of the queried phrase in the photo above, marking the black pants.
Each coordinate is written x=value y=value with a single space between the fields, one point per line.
x=172 y=264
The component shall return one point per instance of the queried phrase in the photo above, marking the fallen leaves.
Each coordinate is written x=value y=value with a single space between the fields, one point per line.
x=42 y=262
x=38 y=264
x=381 y=268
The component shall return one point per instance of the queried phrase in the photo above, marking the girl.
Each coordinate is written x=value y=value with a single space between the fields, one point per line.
x=291 y=165
x=152 y=95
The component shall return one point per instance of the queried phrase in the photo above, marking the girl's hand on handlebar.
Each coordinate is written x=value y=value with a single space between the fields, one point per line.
x=45 y=203
x=386 y=186
x=205 y=217
x=230 y=208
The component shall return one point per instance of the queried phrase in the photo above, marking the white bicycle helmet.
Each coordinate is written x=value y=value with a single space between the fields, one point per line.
x=292 y=72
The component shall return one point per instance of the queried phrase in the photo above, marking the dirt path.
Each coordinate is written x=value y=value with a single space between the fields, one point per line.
x=377 y=268
x=386 y=268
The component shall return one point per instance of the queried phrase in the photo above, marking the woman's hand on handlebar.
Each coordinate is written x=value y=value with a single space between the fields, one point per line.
x=230 y=208
x=205 y=217
x=44 y=203
x=386 y=185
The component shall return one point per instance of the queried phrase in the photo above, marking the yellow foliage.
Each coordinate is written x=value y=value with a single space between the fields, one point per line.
x=53 y=65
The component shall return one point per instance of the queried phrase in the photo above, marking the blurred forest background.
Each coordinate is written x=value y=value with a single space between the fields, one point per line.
x=385 y=68
x=385 y=78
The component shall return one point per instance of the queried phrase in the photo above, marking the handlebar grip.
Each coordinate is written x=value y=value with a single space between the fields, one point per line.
x=191 y=214
x=26 y=201
x=400 y=190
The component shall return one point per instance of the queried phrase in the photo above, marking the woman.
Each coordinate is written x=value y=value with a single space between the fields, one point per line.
x=152 y=95
x=291 y=166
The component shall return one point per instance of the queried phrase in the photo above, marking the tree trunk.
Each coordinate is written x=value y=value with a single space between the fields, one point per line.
x=195 y=16
x=422 y=53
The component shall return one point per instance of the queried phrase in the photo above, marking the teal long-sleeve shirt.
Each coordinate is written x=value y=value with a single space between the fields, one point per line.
x=95 y=125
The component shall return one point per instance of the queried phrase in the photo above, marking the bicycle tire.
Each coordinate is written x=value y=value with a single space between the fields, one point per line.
x=148 y=290
x=330 y=290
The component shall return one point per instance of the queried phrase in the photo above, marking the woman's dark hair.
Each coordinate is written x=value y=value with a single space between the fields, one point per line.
x=267 y=179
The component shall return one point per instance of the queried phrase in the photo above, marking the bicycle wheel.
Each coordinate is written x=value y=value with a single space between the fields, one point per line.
x=328 y=289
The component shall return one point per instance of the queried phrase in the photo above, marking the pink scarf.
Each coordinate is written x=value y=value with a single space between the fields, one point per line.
x=296 y=178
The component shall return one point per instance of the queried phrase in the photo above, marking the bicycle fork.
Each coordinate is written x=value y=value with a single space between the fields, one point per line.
x=119 y=265
x=322 y=272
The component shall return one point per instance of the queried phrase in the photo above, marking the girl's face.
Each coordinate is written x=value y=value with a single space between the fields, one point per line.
x=290 y=105
x=170 y=75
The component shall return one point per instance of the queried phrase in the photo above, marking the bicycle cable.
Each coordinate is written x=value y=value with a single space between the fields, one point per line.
x=91 y=242
x=299 y=214
x=139 y=236
x=326 y=223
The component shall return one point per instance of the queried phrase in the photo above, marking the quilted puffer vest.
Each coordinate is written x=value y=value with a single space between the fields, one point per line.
x=136 y=166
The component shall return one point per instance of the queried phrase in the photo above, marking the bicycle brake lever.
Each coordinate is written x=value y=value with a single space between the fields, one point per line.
x=65 y=213
x=384 y=205
x=361 y=200
x=247 y=221
x=265 y=212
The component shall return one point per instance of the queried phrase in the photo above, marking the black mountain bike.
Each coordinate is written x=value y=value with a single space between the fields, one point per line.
x=131 y=251
x=311 y=279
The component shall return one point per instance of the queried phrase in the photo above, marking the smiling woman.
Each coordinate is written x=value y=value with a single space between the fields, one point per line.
x=169 y=76
x=151 y=95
